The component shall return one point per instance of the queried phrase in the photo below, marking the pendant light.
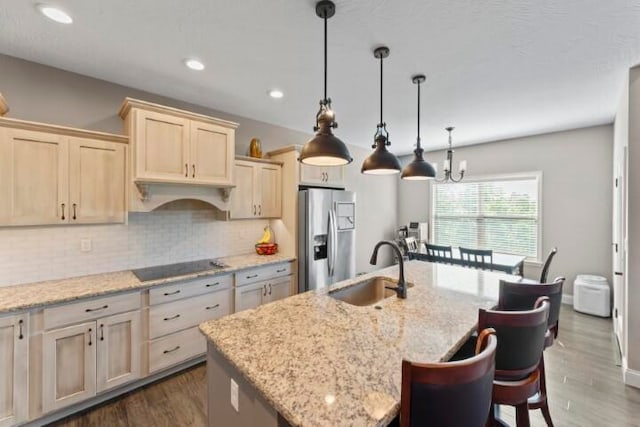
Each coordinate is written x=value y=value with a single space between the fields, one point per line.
x=325 y=149
x=381 y=161
x=419 y=168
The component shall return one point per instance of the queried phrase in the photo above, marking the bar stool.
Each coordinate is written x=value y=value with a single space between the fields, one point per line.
x=434 y=393
x=521 y=340
x=518 y=296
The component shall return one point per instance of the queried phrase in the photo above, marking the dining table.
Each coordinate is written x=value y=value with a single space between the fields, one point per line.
x=508 y=263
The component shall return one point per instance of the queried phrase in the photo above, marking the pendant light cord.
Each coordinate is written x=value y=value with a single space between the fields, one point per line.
x=325 y=55
x=381 y=79
x=418 y=147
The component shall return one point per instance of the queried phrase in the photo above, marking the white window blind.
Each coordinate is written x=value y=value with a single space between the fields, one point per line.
x=501 y=214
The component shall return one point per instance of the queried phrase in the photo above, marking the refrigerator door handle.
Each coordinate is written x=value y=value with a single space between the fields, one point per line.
x=329 y=246
x=333 y=249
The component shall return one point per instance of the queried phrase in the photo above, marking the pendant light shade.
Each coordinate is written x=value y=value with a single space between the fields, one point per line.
x=419 y=168
x=325 y=149
x=381 y=161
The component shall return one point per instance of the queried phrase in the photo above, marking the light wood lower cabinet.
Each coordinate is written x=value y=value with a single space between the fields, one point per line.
x=13 y=370
x=255 y=294
x=82 y=360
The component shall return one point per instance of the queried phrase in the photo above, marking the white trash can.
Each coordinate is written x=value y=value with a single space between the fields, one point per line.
x=591 y=295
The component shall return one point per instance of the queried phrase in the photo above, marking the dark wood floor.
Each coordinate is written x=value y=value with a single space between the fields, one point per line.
x=584 y=384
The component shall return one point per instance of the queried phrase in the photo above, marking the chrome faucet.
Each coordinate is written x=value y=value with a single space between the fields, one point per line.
x=401 y=289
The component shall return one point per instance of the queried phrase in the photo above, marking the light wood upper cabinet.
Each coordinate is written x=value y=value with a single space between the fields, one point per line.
x=14 y=370
x=212 y=153
x=322 y=176
x=33 y=178
x=54 y=175
x=69 y=365
x=258 y=190
x=162 y=146
x=96 y=181
x=177 y=146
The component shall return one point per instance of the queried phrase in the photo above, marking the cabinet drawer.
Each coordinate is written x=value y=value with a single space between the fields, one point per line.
x=84 y=310
x=171 y=317
x=176 y=348
x=262 y=273
x=189 y=288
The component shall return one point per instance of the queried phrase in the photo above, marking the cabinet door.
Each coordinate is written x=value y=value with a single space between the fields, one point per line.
x=326 y=176
x=69 y=365
x=334 y=176
x=270 y=189
x=250 y=296
x=279 y=289
x=33 y=178
x=14 y=368
x=118 y=347
x=96 y=181
x=212 y=153
x=243 y=204
x=162 y=147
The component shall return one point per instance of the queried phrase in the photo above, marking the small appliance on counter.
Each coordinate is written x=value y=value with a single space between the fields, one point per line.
x=418 y=230
x=326 y=237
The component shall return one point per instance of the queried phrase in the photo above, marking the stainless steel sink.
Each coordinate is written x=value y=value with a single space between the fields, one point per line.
x=367 y=292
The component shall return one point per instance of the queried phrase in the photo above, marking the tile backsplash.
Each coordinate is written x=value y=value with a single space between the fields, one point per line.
x=165 y=236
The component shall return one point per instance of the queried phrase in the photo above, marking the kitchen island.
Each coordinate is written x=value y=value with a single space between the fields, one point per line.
x=313 y=360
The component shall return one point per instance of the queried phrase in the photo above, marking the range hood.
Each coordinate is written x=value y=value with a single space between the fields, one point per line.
x=148 y=196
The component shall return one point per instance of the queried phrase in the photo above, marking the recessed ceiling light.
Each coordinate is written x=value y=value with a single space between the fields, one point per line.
x=194 y=64
x=55 y=14
x=276 y=93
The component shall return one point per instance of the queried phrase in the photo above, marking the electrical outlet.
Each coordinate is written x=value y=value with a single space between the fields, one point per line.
x=85 y=245
x=234 y=395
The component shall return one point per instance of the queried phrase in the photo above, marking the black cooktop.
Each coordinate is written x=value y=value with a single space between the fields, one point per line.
x=179 y=269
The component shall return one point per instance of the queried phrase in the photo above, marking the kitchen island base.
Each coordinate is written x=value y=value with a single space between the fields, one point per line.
x=253 y=409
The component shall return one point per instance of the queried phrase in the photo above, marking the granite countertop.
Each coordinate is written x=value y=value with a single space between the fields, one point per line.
x=322 y=362
x=27 y=296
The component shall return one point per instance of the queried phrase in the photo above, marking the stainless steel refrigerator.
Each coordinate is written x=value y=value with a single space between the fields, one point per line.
x=326 y=233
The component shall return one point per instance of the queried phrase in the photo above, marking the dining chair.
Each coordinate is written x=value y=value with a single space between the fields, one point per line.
x=547 y=263
x=433 y=394
x=521 y=340
x=518 y=296
x=437 y=253
x=477 y=258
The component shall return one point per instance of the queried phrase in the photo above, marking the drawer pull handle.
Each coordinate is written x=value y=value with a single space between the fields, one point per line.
x=74 y=211
x=21 y=336
x=89 y=310
x=90 y=334
x=282 y=270
x=194 y=170
x=102 y=332
x=208 y=285
x=171 y=318
x=269 y=288
x=166 y=294
x=264 y=290
x=213 y=306
x=62 y=218
x=186 y=170
x=253 y=276
x=172 y=350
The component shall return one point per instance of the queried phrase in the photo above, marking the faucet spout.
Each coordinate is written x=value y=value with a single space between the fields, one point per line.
x=401 y=289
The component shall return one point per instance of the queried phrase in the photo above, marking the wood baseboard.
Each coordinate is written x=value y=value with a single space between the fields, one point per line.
x=567 y=299
x=631 y=377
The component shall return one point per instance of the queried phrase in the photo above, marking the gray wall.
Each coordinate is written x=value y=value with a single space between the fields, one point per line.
x=576 y=194
x=45 y=94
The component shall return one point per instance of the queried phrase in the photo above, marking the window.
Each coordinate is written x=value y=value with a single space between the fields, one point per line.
x=500 y=213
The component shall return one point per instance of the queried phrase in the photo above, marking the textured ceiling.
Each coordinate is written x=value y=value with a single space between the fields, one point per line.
x=495 y=68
